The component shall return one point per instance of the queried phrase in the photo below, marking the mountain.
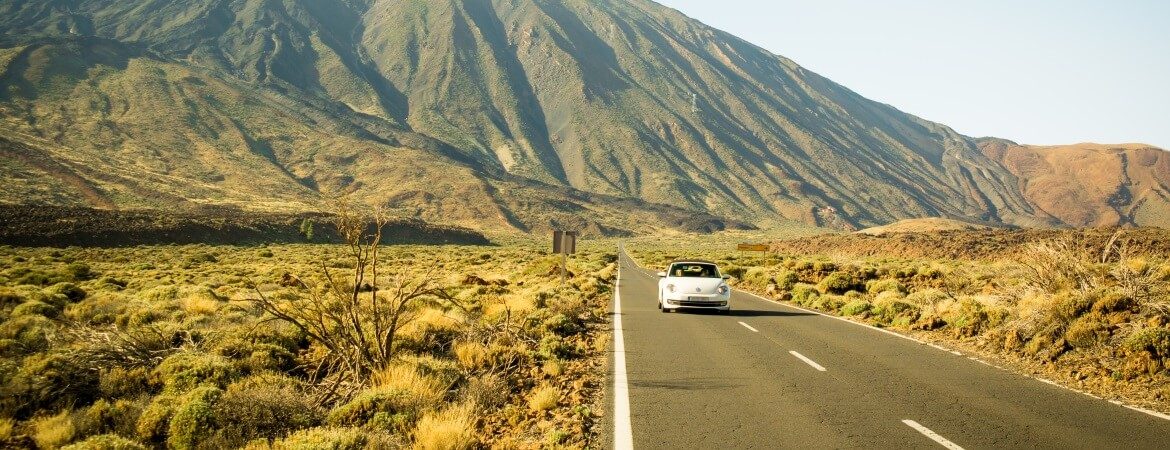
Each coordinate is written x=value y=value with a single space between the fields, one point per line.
x=1090 y=185
x=614 y=116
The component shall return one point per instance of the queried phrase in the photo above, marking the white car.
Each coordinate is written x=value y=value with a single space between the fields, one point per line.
x=693 y=284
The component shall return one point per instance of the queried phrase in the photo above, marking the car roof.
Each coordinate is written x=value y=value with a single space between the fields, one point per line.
x=700 y=261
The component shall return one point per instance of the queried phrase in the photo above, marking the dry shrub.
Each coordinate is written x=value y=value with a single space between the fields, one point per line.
x=332 y=438
x=105 y=442
x=160 y=294
x=193 y=421
x=185 y=370
x=927 y=297
x=856 y=308
x=152 y=423
x=54 y=431
x=200 y=304
x=47 y=382
x=472 y=356
x=839 y=282
x=890 y=308
x=1087 y=331
x=543 y=398
x=804 y=294
x=450 y=429
x=6 y=428
x=267 y=405
x=1057 y=265
x=408 y=378
x=486 y=391
x=104 y=417
x=553 y=368
x=99 y=348
x=398 y=397
x=357 y=317
x=121 y=382
x=878 y=286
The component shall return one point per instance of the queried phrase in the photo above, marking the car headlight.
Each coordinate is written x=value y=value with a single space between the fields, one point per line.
x=670 y=287
x=722 y=289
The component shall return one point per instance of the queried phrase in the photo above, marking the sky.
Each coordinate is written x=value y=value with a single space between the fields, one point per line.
x=1038 y=72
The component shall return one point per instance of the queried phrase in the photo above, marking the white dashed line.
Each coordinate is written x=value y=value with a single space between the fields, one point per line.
x=623 y=435
x=932 y=435
x=807 y=361
x=749 y=327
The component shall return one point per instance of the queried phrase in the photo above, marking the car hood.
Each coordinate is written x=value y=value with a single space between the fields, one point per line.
x=685 y=285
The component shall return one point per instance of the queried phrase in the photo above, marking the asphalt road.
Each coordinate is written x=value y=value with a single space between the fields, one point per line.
x=754 y=379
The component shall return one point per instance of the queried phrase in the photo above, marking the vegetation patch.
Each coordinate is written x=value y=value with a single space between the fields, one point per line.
x=199 y=346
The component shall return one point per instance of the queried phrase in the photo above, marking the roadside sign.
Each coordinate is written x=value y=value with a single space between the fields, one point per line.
x=752 y=247
x=565 y=242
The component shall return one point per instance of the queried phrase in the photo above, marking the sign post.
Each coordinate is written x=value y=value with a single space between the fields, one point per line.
x=762 y=248
x=565 y=243
x=752 y=247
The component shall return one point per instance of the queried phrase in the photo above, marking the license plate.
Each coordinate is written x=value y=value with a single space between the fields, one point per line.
x=697 y=299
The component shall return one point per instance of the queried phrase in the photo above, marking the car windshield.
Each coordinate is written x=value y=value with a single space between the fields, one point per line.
x=694 y=270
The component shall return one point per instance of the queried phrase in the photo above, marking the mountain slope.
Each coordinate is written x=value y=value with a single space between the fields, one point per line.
x=521 y=114
x=1090 y=185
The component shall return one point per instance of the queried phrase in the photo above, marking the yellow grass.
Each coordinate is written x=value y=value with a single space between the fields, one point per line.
x=543 y=398
x=425 y=390
x=471 y=355
x=54 y=431
x=6 y=426
x=450 y=429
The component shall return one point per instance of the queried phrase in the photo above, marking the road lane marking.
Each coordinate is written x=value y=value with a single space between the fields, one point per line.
x=807 y=361
x=932 y=435
x=1146 y=411
x=749 y=327
x=623 y=435
x=944 y=349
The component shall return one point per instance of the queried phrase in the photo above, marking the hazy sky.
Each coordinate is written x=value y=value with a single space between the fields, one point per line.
x=1036 y=72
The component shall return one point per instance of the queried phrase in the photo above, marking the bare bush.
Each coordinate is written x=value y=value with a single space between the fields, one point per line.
x=98 y=348
x=1057 y=265
x=353 y=317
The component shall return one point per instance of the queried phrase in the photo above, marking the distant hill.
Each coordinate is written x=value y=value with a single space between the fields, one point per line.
x=611 y=116
x=925 y=225
x=1090 y=185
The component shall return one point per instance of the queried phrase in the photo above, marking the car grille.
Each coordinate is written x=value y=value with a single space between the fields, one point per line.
x=691 y=303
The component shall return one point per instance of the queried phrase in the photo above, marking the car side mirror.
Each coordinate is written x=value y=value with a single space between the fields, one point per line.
x=726 y=277
x=661 y=274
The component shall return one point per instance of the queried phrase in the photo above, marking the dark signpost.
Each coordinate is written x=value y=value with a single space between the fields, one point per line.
x=565 y=243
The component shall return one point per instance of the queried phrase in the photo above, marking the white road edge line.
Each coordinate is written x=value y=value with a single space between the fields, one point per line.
x=807 y=361
x=623 y=433
x=749 y=327
x=932 y=435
